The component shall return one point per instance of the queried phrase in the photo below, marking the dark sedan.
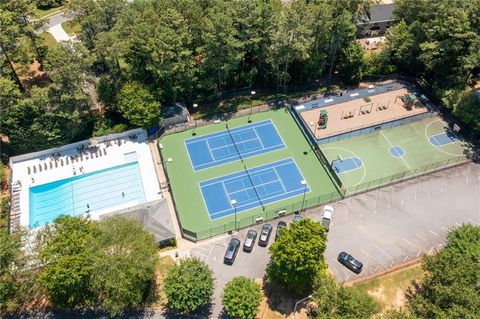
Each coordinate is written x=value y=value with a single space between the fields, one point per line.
x=280 y=226
x=265 y=235
x=232 y=251
x=350 y=262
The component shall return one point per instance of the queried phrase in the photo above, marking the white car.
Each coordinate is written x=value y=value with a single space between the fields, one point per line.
x=327 y=216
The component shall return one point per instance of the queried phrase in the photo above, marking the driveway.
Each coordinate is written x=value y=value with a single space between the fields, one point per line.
x=382 y=228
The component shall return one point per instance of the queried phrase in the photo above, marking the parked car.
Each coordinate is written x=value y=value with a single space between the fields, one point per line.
x=232 y=251
x=265 y=235
x=297 y=218
x=350 y=262
x=280 y=226
x=250 y=240
x=327 y=216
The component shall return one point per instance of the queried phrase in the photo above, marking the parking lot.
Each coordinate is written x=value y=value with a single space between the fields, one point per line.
x=381 y=228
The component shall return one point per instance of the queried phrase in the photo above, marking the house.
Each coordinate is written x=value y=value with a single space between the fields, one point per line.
x=175 y=114
x=376 y=20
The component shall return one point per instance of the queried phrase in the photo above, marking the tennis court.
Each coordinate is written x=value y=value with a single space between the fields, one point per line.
x=381 y=157
x=232 y=144
x=274 y=174
x=253 y=187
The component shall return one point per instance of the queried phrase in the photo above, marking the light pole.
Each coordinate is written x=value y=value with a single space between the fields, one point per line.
x=300 y=301
x=304 y=183
x=195 y=105
x=252 y=93
x=233 y=202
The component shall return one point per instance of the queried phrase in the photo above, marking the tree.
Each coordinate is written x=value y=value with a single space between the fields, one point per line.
x=67 y=251
x=124 y=265
x=351 y=63
x=66 y=65
x=189 y=285
x=241 y=298
x=297 y=255
x=337 y=302
x=138 y=105
x=450 y=286
x=16 y=34
x=10 y=260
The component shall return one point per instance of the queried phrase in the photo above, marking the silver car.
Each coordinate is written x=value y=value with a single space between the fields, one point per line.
x=249 y=240
x=265 y=235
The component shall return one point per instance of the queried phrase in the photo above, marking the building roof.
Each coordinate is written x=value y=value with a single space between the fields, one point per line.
x=177 y=109
x=381 y=12
x=154 y=216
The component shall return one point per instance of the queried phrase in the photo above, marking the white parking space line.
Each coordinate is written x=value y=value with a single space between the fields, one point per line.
x=404 y=259
x=471 y=220
x=422 y=238
x=408 y=241
x=419 y=252
x=431 y=231
x=371 y=257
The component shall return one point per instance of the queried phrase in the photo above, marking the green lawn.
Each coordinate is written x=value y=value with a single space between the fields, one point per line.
x=389 y=290
x=380 y=167
x=191 y=208
x=40 y=13
x=48 y=39
x=71 y=28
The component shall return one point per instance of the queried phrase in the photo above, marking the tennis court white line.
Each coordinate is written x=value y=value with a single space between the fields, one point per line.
x=278 y=177
x=209 y=164
x=261 y=170
x=231 y=144
x=247 y=188
x=409 y=167
x=273 y=197
x=255 y=131
x=225 y=132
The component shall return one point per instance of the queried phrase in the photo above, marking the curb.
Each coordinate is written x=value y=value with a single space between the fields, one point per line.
x=385 y=272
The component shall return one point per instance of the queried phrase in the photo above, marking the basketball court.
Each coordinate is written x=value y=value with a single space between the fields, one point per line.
x=384 y=156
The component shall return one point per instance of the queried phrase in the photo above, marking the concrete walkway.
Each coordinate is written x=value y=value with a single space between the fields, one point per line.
x=58 y=33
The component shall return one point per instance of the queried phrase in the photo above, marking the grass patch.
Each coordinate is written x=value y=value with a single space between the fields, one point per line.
x=71 y=28
x=389 y=290
x=42 y=12
x=48 y=39
x=163 y=266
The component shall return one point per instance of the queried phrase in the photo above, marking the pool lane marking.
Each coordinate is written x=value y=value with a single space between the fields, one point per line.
x=413 y=172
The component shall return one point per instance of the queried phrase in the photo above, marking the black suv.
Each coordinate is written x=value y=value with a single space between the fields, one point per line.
x=265 y=235
x=350 y=262
x=232 y=251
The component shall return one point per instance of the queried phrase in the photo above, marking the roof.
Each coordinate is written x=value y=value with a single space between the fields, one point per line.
x=154 y=216
x=381 y=12
x=177 y=109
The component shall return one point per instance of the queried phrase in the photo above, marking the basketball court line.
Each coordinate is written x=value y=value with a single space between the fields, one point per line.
x=409 y=167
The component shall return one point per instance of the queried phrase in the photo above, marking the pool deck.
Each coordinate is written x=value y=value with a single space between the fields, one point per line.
x=44 y=167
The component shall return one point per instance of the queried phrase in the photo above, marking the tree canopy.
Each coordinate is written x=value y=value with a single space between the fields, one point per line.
x=108 y=264
x=189 y=285
x=450 y=286
x=296 y=257
x=241 y=298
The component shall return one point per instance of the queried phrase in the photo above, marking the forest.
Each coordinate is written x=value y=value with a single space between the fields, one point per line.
x=135 y=57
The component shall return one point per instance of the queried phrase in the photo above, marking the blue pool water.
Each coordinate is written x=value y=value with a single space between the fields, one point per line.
x=89 y=192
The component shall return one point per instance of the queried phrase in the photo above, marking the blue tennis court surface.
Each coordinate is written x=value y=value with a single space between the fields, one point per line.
x=271 y=183
x=219 y=148
x=347 y=164
x=443 y=139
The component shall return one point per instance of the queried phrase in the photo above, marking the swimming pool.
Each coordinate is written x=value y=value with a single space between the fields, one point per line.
x=115 y=186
